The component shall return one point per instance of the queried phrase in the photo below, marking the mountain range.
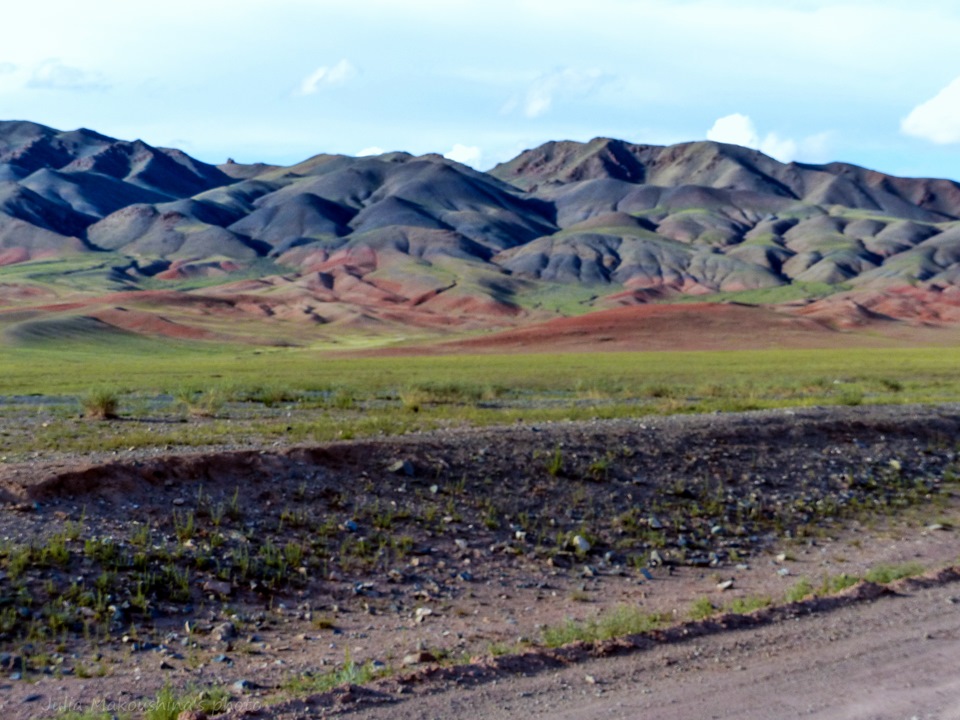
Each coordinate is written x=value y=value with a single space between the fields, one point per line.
x=150 y=240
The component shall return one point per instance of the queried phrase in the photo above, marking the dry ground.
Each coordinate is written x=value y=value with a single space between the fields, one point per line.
x=459 y=544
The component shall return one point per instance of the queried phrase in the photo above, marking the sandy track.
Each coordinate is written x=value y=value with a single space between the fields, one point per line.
x=895 y=657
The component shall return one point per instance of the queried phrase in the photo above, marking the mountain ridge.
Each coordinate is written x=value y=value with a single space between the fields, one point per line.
x=399 y=239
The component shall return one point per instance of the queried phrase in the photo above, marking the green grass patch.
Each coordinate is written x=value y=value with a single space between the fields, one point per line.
x=349 y=673
x=565 y=299
x=800 y=590
x=621 y=620
x=701 y=609
x=884 y=574
x=778 y=376
x=298 y=395
x=837 y=583
x=745 y=605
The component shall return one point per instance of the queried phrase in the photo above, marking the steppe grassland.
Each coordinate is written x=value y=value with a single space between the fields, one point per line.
x=221 y=394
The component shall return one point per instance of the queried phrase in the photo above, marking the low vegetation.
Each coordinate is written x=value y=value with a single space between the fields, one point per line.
x=625 y=620
x=206 y=395
x=76 y=582
x=100 y=404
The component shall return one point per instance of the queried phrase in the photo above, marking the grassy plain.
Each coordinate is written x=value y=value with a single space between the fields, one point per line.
x=246 y=396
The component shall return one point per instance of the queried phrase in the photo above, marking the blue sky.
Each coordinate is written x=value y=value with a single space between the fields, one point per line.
x=875 y=83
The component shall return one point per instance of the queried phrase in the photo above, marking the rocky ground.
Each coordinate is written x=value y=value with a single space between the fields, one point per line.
x=444 y=561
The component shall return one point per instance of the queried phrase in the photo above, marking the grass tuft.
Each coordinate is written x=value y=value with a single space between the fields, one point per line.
x=100 y=404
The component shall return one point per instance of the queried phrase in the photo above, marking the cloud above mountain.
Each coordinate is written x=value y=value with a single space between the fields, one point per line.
x=739 y=129
x=465 y=154
x=327 y=76
x=937 y=119
x=53 y=74
x=561 y=84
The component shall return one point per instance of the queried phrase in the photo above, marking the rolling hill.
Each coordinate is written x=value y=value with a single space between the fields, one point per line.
x=395 y=243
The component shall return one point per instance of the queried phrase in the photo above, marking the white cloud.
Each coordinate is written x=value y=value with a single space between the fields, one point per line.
x=817 y=148
x=938 y=119
x=372 y=150
x=563 y=84
x=326 y=75
x=783 y=149
x=466 y=154
x=739 y=129
x=6 y=68
x=52 y=74
x=736 y=129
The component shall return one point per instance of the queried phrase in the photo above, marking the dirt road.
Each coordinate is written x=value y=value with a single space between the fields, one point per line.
x=896 y=657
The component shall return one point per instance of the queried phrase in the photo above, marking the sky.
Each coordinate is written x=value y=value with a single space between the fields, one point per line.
x=872 y=82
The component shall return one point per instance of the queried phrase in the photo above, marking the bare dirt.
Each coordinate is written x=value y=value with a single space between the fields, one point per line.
x=698 y=327
x=457 y=547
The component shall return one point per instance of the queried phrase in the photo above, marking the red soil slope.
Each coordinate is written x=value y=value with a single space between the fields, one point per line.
x=699 y=326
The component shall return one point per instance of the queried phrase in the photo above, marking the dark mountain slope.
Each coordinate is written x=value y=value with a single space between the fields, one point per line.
x=730 y=167
x=95 y=175
x=397 y=238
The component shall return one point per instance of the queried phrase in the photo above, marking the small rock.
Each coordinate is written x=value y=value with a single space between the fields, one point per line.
x=654 y=523
x=401 y=467
x=782 y=557
x=421 y=613
x=646 y=573
x=9 y=661
x=32 y=698
x=242 y=686
x=364 y=588
x=580 y=544
x=222 y=659
x=936 y=526
x=164 y=665
x=220 y=587
x=224 y=632
x=351 y=526
x=590 y=679
x=655 y=558
x=461 y=544
x=783 y=572
x=179 y=501
x=725 y=585
x=418 y=658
